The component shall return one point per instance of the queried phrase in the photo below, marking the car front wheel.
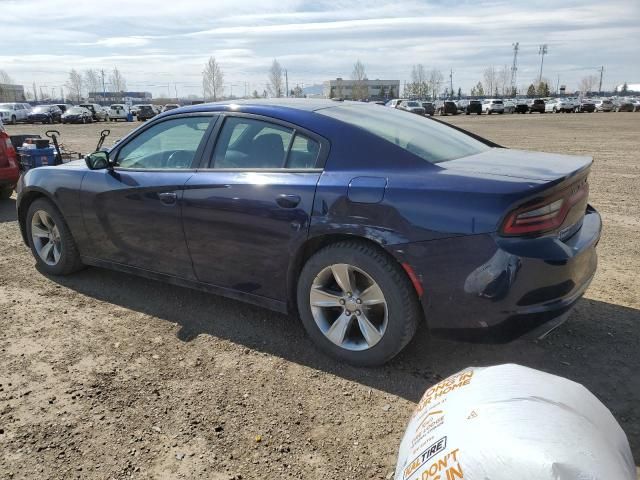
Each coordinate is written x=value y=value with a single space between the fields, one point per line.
x=357 y=304
x=50 y=239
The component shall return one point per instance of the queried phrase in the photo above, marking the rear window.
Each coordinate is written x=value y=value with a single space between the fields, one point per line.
x=413 y=104
x=497 y=102
x=539 y=102
x=429 y=140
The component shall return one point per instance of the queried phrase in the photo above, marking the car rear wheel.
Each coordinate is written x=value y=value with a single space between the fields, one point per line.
x=357 y=304
x=14 y=120
x=50 y=239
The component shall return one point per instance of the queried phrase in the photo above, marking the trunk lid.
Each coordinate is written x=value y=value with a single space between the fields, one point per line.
x=504 y=162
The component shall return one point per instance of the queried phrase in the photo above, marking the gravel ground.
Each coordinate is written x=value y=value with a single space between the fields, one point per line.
x=105 y=375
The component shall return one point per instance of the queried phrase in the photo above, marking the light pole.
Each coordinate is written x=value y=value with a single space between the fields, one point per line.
x=542 y=52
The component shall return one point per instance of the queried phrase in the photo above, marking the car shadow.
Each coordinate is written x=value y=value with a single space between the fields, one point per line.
x=597 y=347
x=8 y=210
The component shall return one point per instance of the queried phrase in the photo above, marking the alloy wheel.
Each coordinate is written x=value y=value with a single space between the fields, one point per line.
x=348 y=307
x=46 y=237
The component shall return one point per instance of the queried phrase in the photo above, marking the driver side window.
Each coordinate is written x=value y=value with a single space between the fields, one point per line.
x=170 y=144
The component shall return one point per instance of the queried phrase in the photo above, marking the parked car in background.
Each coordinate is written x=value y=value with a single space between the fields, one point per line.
x=394 y=103
x=604 y=105
x=522 y=105
x=157 y=108
x=492 y=105
x=509 y=106
x=118 y=111
x=587 y=105
x=134 y=109
x=145 y=112
x=63 y=106
x=537 y=105
x=45 y=114
x=96 y=111
x=559 y=105
x=636 y=104
x=77 y=115
x=170 y=106
x=469 y=106
x=419 y=221
x=429 y=108
x=9 y=168
x=411 y=106
x=13 y=112
x=446 y=107
x=624 y=105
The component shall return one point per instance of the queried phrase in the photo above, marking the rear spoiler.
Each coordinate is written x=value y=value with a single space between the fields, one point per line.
x=488 y=143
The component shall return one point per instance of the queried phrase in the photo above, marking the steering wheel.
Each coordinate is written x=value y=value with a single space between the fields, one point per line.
x=180 y=159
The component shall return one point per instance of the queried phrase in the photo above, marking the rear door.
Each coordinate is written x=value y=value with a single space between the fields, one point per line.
x=249 y=208
x=133 y=214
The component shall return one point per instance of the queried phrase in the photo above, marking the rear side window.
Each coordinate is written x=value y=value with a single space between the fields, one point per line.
x=423 y=137
x=255 y=144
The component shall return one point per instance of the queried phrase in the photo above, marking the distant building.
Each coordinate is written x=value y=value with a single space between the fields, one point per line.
x=11 y=93
x=375 y=89
x=120 y=97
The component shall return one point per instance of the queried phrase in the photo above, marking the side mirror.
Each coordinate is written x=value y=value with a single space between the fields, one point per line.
x=98 y=160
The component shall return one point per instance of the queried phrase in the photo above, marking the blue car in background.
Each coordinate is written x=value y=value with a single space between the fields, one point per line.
x=363 y=221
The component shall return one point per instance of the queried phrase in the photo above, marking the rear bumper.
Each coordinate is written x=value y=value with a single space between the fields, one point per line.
x=503 y=287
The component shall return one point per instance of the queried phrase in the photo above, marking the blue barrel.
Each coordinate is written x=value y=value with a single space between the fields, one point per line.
x=37 y=157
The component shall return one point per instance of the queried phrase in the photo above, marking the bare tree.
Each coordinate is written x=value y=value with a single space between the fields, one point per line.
x=117 y=81
x=92 y=81
x=502 y=80
x=588 y=83
x=419 y=86
x=490 y=80
x=360 y=90
x=73 y=84
x=5 y=77
x=435 y=81
x=275 y=84
x=213 y=80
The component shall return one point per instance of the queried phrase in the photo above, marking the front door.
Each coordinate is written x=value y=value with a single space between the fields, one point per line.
x=133 y=214
x=245 y=215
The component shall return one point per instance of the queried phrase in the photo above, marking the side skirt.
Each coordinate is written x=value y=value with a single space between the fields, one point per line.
x=258 y=300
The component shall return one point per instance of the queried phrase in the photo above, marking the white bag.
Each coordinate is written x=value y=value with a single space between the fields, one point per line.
x=510 y=422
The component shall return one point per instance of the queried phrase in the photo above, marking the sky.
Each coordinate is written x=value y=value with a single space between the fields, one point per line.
x=161 y=46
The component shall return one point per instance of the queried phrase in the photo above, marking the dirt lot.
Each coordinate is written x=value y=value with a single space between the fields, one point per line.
x=105 y=375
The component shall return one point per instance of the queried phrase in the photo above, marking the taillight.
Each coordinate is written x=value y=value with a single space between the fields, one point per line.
x=8 y=156
x=544 y=216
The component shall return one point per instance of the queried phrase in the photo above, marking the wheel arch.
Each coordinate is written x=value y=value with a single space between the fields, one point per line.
x=27 y=198
x=314 y=244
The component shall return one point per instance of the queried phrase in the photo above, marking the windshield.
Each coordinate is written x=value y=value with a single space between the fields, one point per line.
x=40 y=109
x=6 y=105
x=423 y=137
x=75 y=110
x=413 y=104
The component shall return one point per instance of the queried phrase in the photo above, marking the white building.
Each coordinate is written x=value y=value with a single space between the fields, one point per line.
x=375 y=89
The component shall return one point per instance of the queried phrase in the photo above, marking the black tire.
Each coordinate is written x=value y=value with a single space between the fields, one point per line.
x=69 y=260
x=5 y=193
x=403 y=307
x=14 y=120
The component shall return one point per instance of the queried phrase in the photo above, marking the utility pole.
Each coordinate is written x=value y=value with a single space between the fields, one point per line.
x=286 y=81
x=175 y=87
x=601 y=73
x=558 y=85
x=514 y=68
x=35 y=92
x=542 y=51
x=451 y=80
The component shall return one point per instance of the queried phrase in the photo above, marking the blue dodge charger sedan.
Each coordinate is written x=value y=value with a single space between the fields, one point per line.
x=363 y=221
